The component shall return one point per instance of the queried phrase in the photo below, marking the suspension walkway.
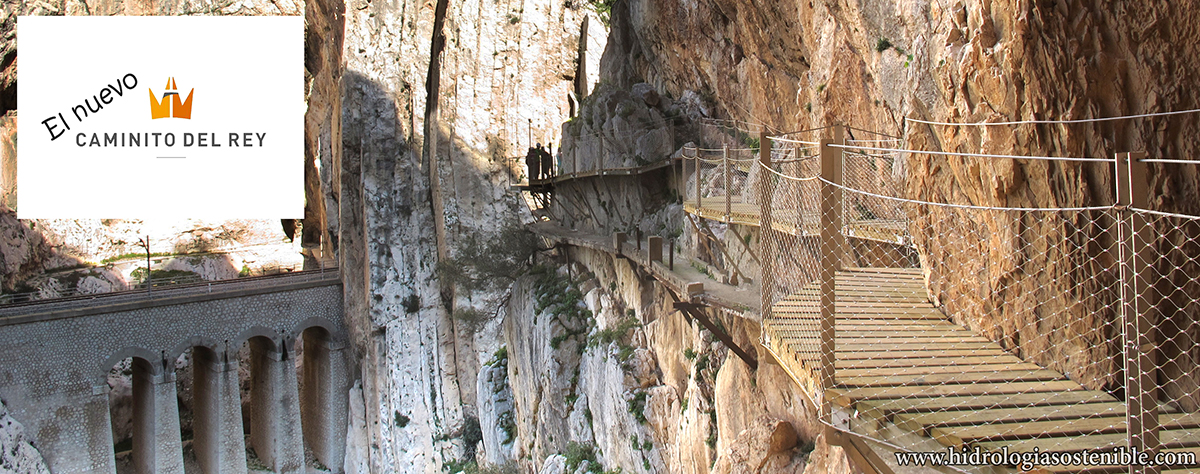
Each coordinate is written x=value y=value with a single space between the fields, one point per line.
x=877 y=352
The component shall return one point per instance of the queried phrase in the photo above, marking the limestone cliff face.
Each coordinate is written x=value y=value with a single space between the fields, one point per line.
x=16 y=453
x=498 y=66
x=605 y=366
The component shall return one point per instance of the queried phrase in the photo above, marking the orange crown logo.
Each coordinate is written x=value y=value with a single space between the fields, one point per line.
x=173 y=108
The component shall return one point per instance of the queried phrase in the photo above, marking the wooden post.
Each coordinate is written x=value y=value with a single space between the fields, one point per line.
x=1137 y=311
x=766 y=237
x=832 y=243
x=619 y=241
x=638 y=239
x=671 y=255
x=656 y=248
x=600 y=157
x=698 y=167
x=728 y=198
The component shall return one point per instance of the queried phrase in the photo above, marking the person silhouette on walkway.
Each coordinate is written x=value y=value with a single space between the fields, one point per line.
x=533 y=163
x=547 y=162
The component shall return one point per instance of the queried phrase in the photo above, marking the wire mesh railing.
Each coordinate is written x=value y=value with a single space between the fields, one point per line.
x=929 y=326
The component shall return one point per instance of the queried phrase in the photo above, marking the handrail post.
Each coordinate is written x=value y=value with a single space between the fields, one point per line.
x=831 y=256
x=728 y=198
x=600 y=156
x=1137 y=308
x=671 y=254
x=765 y=238
x=698 y=167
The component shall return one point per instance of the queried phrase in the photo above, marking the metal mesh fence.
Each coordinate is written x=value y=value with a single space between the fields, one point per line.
x=930 y=326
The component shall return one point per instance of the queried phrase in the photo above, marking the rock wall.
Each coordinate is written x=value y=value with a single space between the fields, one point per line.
x=873 y=64
x=17 y=454
x=503 y=79
x=603 y=365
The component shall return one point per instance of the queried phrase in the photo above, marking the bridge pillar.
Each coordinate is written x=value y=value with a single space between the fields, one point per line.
x=275 y=432
x=157 y=448
x=322 y=403
x=219 y=442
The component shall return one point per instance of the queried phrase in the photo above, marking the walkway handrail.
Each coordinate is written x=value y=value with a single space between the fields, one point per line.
x=1056 y=269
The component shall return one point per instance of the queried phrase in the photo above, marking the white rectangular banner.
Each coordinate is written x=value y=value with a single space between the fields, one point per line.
x=160 y=117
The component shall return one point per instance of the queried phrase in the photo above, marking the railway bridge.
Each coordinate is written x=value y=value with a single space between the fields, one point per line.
x=57 y=355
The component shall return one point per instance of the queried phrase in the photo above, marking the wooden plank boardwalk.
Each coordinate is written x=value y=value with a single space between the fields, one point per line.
x=796 y=222
x=902 y=366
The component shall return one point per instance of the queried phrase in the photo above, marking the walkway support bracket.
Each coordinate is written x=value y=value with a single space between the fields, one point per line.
x=696 y=312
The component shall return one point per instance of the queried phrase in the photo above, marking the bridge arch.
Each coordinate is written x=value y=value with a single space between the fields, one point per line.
x=256 y=332
x=106 y=366
x=314 y=322
x=194 y=342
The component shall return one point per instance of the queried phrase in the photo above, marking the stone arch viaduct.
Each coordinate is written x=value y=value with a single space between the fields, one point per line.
x=55 y=358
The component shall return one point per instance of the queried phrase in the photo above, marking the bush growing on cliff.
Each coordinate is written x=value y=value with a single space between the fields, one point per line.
x=604 y=10
x=882 y=45
x=637 y=406
x=577 y=453
x=492 y=261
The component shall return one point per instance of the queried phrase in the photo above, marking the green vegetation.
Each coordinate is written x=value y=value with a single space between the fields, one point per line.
x=712 y=436
x=637 y=406
x=491 y=261
x=625 y=353
x=500 y=357
x=577 y=453
x=702 y=268
x=565 y=302
x=472 y=319
x=401 y=420
x=615 y=333
x=882 y=45
x=134 y=255
x=820 y=88
x=167 y=277
x=689 y=354
x=472 y=434
x=411 y=303
x=244 y=272
x=505 y=420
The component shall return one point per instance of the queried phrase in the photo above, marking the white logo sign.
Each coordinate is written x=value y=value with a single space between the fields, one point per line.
x=160 y=117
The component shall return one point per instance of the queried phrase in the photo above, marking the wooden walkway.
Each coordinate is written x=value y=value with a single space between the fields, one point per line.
x=904 y=369
x=796 y=222
x=628 y=171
